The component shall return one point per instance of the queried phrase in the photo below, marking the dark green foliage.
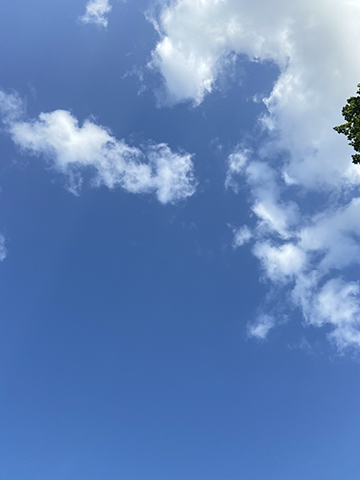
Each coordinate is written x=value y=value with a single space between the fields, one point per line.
x=351 y=113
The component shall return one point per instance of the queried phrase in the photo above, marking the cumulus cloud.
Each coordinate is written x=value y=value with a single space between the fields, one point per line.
x=96 y=12
x=306 y=249
x=280 y=262
x=73 y=149
x=314 y=45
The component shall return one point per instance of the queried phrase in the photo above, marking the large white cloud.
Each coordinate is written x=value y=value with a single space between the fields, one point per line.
x=305 y=250
x=314 y=44
x=96 y=12
x=71 y=149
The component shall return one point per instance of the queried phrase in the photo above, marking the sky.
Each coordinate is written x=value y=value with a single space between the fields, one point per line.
x=179 y=240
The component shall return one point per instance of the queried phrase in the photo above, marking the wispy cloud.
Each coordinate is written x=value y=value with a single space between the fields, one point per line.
x=242 y=235
x=3 y=250
x=305 y=256
x=72 y=149
x=11 y=107
x=96 y=12
x=261 y=328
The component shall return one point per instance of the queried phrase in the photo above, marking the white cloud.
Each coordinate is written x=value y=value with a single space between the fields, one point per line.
x=305 y=256
x=335 y=235
x=314 y=45
x=305 y=248
x=275 y=215
x=236 y=164
x=280 y=262
x=11 y=106
x=305 y=264
x=71 y=149
x=242 y=235
x=261 y=328
x=337 y=304
x=96 y=12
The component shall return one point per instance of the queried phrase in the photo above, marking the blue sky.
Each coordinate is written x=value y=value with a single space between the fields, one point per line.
x=179 y=241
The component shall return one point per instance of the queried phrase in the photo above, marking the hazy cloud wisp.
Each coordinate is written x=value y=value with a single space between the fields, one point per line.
x=96 y=12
